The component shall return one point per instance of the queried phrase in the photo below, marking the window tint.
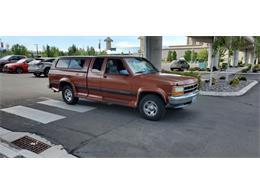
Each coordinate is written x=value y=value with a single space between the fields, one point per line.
x=115 y=66
x=49 y=60
x=76 y=63
x=63 y=63
x=98 y=64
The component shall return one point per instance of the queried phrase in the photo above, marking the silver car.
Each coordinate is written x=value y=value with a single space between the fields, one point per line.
x=40 y=66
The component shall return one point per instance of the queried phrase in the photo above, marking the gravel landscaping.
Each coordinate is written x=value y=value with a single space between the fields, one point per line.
x=223 y=86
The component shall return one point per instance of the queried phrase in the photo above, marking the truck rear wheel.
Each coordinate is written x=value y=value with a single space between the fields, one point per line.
x=46 y=72
x=152 y=107
x=68 y=95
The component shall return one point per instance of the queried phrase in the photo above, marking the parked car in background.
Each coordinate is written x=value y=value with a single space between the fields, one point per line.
x=124 y=80
x=10 y=59
x=40 y=66
x=180 y=64
x=20 y=66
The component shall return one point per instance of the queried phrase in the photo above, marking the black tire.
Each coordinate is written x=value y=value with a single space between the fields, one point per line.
x=19 y=70
x=37 y=74
x=157 y=110
x=46 y=72
x=68 y=95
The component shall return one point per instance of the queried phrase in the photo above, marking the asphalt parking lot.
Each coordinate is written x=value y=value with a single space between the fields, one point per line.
x=213 y=127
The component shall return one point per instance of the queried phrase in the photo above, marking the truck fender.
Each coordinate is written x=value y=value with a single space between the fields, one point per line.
x=158 y=91
x=67 y=80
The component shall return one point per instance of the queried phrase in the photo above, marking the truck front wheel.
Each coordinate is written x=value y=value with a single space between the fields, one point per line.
x=152 y=107
x=68 y=95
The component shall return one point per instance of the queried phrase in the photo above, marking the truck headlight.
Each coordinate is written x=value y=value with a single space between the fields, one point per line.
x=177 y=91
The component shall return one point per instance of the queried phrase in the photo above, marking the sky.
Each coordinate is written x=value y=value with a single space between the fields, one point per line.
x=63 y=42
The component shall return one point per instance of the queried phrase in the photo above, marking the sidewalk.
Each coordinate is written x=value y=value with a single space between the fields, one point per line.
x=27 y=145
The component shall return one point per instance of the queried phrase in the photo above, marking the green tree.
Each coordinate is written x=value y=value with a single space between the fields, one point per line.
x=102 y=52
x=91 y=51
x=187 y=55
x=202 y=55
x=73 y=50
x=169 y=56
x=194 y=56
x=51 y=51
x=19 y=50
x=257 y=49
x=174 y=55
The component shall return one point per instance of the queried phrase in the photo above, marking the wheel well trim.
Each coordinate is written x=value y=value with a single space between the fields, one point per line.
x=67 y=81
x=157 y=91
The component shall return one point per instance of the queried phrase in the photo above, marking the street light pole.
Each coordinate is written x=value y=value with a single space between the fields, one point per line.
x=36 y=49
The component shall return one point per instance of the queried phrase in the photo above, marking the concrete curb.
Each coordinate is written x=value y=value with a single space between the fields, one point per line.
x=224 y=94
x=11 y=151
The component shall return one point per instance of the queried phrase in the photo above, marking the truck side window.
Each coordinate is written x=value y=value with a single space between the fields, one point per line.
x=63 y=63
x=76 y=63
x=116 y=66
x=97 y=65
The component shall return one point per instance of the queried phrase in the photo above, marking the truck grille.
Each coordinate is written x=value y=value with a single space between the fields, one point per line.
x=190 y=88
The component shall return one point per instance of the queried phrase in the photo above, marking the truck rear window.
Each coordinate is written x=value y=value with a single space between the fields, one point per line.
x=71 y=63
x=63 y=63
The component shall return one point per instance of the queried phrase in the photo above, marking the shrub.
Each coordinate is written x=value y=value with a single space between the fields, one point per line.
x=213 y=80
x=242 y=78
x=256 y=68
x=240 y=63
x=224 y=66
x=244 y=70
x=222 y=78
x=187 y=73
x=247 y=68
x=234 y=82
x=194 y=69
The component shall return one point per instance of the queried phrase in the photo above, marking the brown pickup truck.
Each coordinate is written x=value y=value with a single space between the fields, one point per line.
x=125 y=80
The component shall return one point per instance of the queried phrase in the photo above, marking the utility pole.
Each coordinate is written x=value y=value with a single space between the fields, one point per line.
x=36 y=49
x=99 y=46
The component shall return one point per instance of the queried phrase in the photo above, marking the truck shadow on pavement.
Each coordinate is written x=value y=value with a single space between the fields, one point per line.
x=170 y=115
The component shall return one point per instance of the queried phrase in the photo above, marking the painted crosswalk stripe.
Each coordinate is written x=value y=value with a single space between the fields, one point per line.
x=63 y=105
x=33 y=114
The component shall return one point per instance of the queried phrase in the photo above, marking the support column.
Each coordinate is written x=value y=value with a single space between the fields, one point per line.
x=246 y=56
x=210 y=55
x=235 y=58
x=249 y=57
x=153 y=50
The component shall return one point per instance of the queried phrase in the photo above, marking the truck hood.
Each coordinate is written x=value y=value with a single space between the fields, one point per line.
x=172 y=79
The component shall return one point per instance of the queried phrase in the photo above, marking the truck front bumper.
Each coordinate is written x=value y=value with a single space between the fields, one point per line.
x=183 y=100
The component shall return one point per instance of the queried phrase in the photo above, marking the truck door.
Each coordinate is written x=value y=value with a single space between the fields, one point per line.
x=116 y=82
x=77 y=72
x=93 y=79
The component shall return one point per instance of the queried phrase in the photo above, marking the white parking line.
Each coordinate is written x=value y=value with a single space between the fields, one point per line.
x=33 y=114
x=63 y=105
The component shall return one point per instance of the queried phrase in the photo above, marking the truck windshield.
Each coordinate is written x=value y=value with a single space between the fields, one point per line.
x=140 y=65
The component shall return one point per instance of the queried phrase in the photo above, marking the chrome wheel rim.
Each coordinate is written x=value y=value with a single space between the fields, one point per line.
x=68 y=95
x=150 y=108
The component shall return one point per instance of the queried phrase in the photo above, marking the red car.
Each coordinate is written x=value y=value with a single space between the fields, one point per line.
x=20 y=66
